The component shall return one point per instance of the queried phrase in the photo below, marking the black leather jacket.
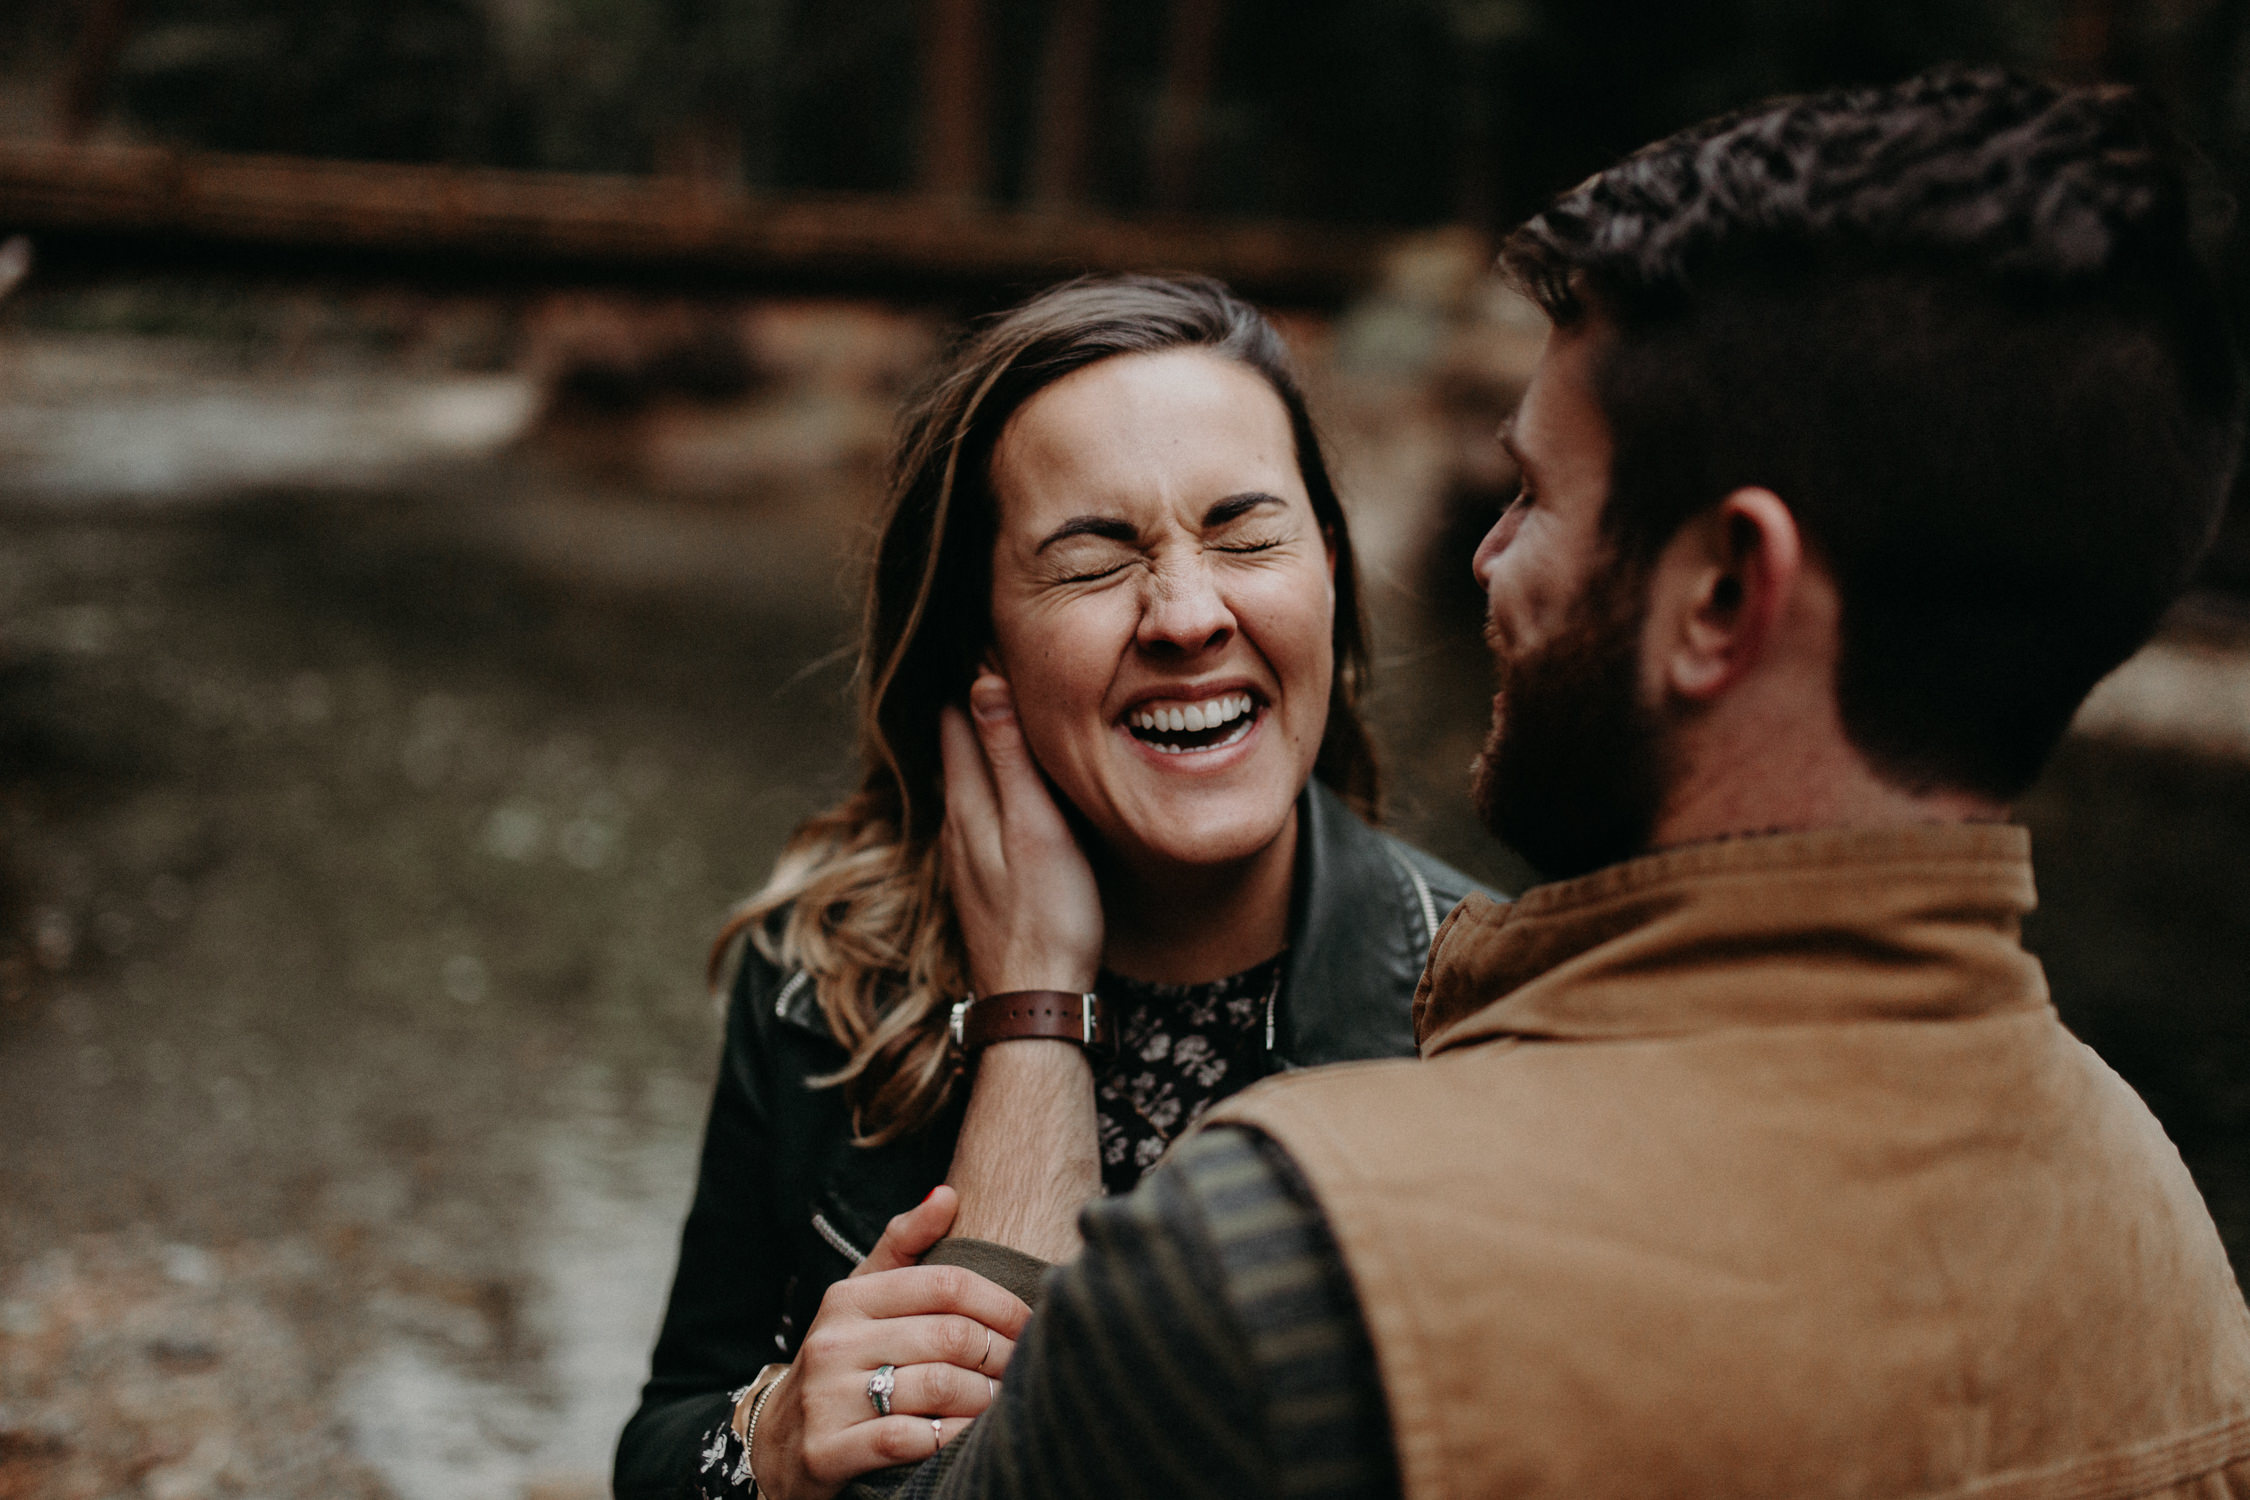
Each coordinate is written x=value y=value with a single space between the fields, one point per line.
x=785 y=1205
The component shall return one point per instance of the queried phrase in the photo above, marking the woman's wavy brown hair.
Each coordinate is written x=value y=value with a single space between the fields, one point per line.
x=858 y=899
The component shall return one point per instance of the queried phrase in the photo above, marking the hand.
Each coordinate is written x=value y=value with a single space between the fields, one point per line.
x=1030 y=914
x=948 y=1331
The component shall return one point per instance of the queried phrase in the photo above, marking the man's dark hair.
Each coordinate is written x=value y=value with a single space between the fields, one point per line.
x=1960 y=327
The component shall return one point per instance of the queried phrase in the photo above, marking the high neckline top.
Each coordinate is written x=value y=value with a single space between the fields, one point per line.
x=1181 y=1048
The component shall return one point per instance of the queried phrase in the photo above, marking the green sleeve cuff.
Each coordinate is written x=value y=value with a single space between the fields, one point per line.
x=1025 y=1275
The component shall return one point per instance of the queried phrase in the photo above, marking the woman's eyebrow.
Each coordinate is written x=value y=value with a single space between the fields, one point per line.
x=1235 y=506
x=1109 y=528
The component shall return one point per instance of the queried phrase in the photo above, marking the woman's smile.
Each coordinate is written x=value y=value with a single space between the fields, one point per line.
x=1191 y=728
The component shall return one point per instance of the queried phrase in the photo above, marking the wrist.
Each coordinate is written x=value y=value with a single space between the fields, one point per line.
x=1050 y=965
x=761 y=1391
x=1033 y=1056
x=1037 y=973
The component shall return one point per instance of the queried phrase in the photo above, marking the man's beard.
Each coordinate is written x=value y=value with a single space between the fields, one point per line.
x=1572 y=774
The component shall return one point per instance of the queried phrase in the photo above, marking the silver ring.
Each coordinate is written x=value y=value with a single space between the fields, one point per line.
x=991 y=1390
x=880 y=1385
x=987 y=1353
x=937 y=1435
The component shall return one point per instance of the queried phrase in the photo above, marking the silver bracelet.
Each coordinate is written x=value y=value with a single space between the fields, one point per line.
x=750 y=1433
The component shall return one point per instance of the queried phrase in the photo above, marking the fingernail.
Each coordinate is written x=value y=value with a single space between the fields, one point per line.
x=988 y=699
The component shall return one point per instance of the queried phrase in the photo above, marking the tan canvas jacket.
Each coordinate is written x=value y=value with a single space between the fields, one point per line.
x=1764 y=1168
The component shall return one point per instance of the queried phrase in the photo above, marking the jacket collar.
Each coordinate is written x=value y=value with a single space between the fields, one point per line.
x=1355 y=917
x=1839 y=925
x=1356 y=928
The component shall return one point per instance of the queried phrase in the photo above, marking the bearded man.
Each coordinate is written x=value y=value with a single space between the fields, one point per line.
x=1748 y=1159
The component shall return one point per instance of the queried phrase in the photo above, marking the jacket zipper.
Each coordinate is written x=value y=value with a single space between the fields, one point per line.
x=842 y=1246
x=1422 y=890
x=796 y=983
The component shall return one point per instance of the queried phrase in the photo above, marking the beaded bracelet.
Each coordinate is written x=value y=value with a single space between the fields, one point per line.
x=750 y=1429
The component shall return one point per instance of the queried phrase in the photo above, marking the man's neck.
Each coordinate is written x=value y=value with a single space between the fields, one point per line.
x=1190 y=924
x=1785 y=782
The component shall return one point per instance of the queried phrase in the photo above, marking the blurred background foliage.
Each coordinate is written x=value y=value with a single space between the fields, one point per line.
x=1391 y=113
x=1403 y=112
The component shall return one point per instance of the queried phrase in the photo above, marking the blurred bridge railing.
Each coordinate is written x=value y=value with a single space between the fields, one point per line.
x=154 y=203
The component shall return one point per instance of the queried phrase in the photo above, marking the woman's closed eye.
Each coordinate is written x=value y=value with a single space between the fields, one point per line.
x=1089 y=563
x=1245 y=546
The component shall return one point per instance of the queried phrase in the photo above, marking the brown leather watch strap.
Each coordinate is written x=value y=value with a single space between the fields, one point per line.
x=1056 y=1015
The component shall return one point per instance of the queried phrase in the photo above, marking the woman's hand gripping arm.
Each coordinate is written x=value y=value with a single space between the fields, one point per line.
x=1031 y=918
x=946 y=1333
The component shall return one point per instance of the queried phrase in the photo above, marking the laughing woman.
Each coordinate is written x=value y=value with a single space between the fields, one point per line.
x=1114 y=500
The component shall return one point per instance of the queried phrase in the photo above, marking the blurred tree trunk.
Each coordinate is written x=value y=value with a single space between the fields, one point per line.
x=1066 y=104
x=2086 y=40
x=93 y=62
x=705 y=152
x=955 y=151
x=1476 y=193
x=1176 y=144
x=762 y=115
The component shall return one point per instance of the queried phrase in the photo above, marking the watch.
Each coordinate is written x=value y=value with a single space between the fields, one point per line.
x=1052 y=1015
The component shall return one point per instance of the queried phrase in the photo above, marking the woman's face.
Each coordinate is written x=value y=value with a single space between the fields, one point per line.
x=1163 y=602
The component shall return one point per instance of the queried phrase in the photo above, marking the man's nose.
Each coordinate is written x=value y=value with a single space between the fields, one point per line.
x=1495 y=542
x=1184 y=612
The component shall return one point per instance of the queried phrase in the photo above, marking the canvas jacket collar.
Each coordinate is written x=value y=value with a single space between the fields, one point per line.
x=1833 y=926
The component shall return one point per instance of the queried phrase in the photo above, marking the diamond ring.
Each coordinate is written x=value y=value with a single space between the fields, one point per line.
x=879 y=1388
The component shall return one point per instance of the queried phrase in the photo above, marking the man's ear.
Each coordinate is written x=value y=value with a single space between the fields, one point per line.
x=1721 y=588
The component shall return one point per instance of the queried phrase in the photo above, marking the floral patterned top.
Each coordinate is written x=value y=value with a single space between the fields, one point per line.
x=1181 y=1048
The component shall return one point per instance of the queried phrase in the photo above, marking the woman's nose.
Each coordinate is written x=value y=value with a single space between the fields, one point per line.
x=1184 y=612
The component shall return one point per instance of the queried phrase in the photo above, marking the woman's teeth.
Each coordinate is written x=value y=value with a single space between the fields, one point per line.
x=1209 y=714
x=1206 y=725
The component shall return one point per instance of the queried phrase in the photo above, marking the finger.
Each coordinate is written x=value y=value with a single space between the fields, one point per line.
x=909 y=1236
x=1015 y=775
x=971 y=805
x=921 y=1291
x=882 y=1443
x=942 y=1391
x=930 y=1339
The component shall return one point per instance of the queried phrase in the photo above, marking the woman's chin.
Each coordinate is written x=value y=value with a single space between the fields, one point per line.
x=1204 y=834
